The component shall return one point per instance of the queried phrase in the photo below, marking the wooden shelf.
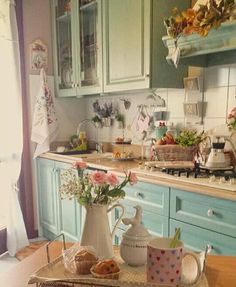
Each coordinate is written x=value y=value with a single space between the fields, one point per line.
x=218 y=48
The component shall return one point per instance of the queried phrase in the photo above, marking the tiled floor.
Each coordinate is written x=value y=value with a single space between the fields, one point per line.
x=7 y=262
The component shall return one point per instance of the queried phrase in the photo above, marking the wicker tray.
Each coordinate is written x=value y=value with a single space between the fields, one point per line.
x=175 y=152
x=54 y=274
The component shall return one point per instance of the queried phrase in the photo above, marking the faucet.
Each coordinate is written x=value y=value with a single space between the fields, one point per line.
x=98 y=145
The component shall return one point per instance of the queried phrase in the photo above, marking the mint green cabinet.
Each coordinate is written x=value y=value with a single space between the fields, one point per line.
x=134 y=55
x=154 y=200
x=47 y=198
x=69 y=210
x=77 y=47
x=126 y=41
x=204 y=220
x=55 y=215
x=197 y=238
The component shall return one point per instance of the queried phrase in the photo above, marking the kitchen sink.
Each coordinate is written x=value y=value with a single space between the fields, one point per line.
x=73 y=152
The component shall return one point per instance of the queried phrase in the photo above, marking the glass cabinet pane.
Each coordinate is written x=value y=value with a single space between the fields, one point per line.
x=64 y=44
x=88 y=15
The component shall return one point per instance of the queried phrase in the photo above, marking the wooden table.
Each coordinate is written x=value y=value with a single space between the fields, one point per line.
x=221 y=270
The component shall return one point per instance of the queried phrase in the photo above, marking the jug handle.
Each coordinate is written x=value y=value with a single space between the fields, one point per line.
x=120 y=217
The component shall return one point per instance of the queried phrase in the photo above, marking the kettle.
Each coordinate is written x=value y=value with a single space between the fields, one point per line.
x=133 y=247
x=216 y=158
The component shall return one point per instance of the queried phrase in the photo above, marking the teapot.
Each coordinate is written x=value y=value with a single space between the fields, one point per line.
x=133 y=247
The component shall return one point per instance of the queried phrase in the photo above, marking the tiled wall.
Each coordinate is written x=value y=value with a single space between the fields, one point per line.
x=219 y=91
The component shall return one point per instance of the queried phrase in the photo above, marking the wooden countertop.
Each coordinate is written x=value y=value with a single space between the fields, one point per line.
x=220 y=269
x=119 y=167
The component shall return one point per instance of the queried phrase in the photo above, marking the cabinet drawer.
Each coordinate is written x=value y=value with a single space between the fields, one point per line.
x=204 y=211
x=197 y=238
x=152 y=197
x=156 y=224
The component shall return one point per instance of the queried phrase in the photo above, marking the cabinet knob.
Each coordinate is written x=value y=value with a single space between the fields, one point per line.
x=210 y=212
x=139 y=195
x=209 y=248
x=147 y=75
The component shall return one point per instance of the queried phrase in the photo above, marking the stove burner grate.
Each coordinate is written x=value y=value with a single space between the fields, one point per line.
x=201 y=171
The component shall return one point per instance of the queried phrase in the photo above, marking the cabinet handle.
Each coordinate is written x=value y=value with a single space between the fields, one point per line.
x=210 y=212
x=209 y=248
x=147 y=75
x=139 y=195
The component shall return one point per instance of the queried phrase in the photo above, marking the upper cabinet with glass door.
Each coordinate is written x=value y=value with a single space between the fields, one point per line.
x=89 y=48
x=77 y=47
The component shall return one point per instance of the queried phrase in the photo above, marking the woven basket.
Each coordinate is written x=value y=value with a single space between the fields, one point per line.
x=175 y=152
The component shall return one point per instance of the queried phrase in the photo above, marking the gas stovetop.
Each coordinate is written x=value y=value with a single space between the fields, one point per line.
x=220 y=178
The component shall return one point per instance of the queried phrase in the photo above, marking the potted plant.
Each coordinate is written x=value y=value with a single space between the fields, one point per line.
x=104 y=112
x=97 y=121
x=120 y=120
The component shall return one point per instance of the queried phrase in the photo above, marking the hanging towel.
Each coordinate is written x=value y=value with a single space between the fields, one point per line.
x=45 y=122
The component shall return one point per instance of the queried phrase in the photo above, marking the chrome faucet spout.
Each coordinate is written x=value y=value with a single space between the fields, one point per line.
x=82 y=123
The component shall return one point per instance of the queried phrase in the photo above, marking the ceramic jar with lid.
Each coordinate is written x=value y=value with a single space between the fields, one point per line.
x=133 y=247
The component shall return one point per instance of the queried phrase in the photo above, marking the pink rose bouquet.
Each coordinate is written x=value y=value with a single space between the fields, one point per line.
x=96 y=187
x=231 y=119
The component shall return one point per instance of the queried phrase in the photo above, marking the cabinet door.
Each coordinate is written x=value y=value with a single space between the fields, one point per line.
x=48 y=198
x=69 y=211
x=164 y=75
x=156 y=224
x=212 y=213
x=64 y=57
x=89 y=46
x=126 y=44
x=197 y=238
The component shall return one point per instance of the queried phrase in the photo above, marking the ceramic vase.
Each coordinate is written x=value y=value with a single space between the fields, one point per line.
x=96 y=231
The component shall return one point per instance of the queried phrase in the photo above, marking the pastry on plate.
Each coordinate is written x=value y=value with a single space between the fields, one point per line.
x=84 y=260
x=107 y=269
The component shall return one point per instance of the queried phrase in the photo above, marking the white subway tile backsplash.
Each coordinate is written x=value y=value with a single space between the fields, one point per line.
x=216 y=76
x=176 y=98
x=232 y=98
x=216 y=102
x=213 y=122
x=232 y=75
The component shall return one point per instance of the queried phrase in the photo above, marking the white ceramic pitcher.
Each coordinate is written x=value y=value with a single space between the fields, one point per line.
x=96 y=231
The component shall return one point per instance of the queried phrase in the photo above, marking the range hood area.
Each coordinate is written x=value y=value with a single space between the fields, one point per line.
x=218 y=48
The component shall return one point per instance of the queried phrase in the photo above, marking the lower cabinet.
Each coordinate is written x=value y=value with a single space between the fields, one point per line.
x=196 y=238
x=154 y=200
x=55 y=215
x=203 y=221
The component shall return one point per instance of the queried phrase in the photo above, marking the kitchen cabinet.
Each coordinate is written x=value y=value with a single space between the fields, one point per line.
x=103 y=46
x=204 y=220
x=55 y=215
x=154 y=200
x=134 y=55
x=77 y=47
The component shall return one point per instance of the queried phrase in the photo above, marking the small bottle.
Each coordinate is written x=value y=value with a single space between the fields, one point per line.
x=83 y=140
